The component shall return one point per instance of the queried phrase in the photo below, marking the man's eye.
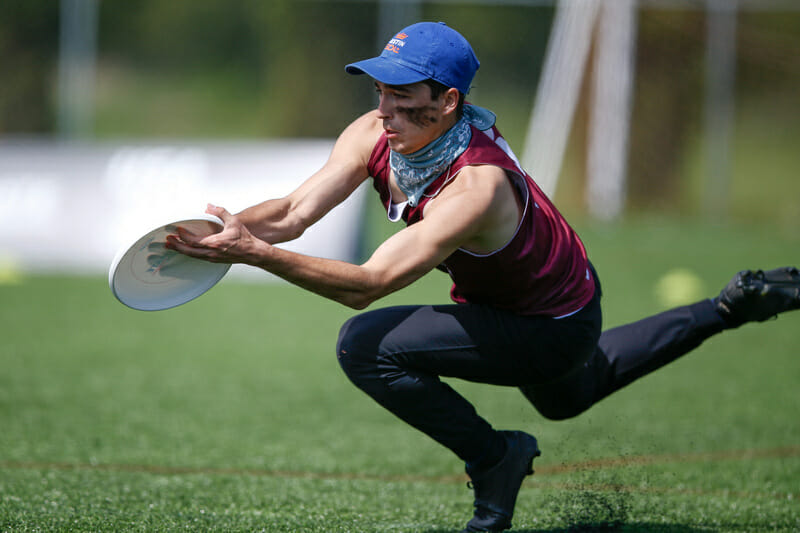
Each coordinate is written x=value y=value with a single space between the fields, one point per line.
x=393 y=94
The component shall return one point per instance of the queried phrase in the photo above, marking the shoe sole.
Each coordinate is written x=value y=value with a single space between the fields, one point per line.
x=779 y=277
x=766 y=284
x=763 y=282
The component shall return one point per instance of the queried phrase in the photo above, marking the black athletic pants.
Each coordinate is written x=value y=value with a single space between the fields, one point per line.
x=563 y=366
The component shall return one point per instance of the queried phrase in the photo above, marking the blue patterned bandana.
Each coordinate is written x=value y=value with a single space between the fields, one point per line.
x=414 y=172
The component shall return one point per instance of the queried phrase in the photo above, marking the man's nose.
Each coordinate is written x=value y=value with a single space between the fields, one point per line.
x=384 y=107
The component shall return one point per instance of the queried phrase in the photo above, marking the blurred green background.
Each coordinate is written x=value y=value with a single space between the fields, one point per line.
x=245 y=69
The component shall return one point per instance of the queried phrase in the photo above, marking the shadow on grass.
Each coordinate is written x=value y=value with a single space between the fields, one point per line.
x=634 y=527
x=591 y=511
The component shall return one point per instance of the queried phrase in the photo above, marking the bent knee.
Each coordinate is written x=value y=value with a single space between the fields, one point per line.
x=351 y=339
x=358 y=345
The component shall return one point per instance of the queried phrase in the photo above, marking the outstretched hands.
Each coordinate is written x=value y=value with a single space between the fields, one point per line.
x=234 y=244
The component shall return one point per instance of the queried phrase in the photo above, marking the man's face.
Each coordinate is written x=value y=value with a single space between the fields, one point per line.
x=411 y=118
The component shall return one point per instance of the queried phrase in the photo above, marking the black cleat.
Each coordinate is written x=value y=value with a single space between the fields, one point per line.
x=756 y=296
x=496 y=489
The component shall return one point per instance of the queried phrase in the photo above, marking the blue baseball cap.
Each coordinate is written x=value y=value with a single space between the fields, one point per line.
x=425 y=50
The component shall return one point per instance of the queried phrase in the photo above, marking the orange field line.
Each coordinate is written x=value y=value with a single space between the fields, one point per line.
x=541 y=471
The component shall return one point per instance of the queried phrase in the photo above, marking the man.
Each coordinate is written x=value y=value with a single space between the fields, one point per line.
x=527 y=310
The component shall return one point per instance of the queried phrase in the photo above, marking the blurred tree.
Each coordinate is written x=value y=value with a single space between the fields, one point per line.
x=667 y=106
x=28 y=52
x=303 y=57
x=284 y=58
x=669 y=101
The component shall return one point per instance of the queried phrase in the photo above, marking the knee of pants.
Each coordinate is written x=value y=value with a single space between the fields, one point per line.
x=356 y=351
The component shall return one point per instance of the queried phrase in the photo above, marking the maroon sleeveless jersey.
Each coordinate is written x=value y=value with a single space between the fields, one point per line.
x=542 y=270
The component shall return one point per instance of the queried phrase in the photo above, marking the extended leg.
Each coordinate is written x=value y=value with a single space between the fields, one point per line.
x=629 y=352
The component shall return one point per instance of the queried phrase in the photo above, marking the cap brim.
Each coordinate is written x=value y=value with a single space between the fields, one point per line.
x=385 y=71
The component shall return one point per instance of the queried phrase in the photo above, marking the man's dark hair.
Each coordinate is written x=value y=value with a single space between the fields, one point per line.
x=437 y=89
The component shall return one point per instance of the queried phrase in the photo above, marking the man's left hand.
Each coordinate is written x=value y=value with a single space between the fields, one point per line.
x=234 y=244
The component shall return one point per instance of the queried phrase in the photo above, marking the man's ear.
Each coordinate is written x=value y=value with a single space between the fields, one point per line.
x=450 y=100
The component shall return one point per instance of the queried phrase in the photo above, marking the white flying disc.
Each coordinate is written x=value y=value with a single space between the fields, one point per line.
x=149 y=277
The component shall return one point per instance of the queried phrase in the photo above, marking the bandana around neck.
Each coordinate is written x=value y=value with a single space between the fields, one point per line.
x=415 y=171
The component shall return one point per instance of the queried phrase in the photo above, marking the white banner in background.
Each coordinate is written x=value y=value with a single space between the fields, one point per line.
x=69 y=207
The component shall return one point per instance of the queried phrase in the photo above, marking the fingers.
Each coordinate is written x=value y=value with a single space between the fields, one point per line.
x=212 y=247
x=187 y=236
x=192 y=249
x=175 y=242
x=191 y=237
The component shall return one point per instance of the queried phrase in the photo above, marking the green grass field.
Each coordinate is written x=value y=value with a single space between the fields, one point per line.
x=231 y=413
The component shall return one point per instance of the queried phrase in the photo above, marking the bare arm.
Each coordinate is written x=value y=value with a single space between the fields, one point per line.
x=470 y=211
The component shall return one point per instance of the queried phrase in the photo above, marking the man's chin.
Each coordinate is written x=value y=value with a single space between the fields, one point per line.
x=399 y=147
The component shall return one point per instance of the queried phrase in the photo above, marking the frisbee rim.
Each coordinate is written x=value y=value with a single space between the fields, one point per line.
x=216 y=271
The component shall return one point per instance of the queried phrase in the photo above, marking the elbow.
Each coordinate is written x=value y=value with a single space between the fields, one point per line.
x=357 y=306
x=370 y=286
x=363 y=298
x=359 y=302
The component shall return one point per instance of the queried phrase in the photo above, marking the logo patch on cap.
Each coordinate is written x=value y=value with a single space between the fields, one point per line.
x=395 y=44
